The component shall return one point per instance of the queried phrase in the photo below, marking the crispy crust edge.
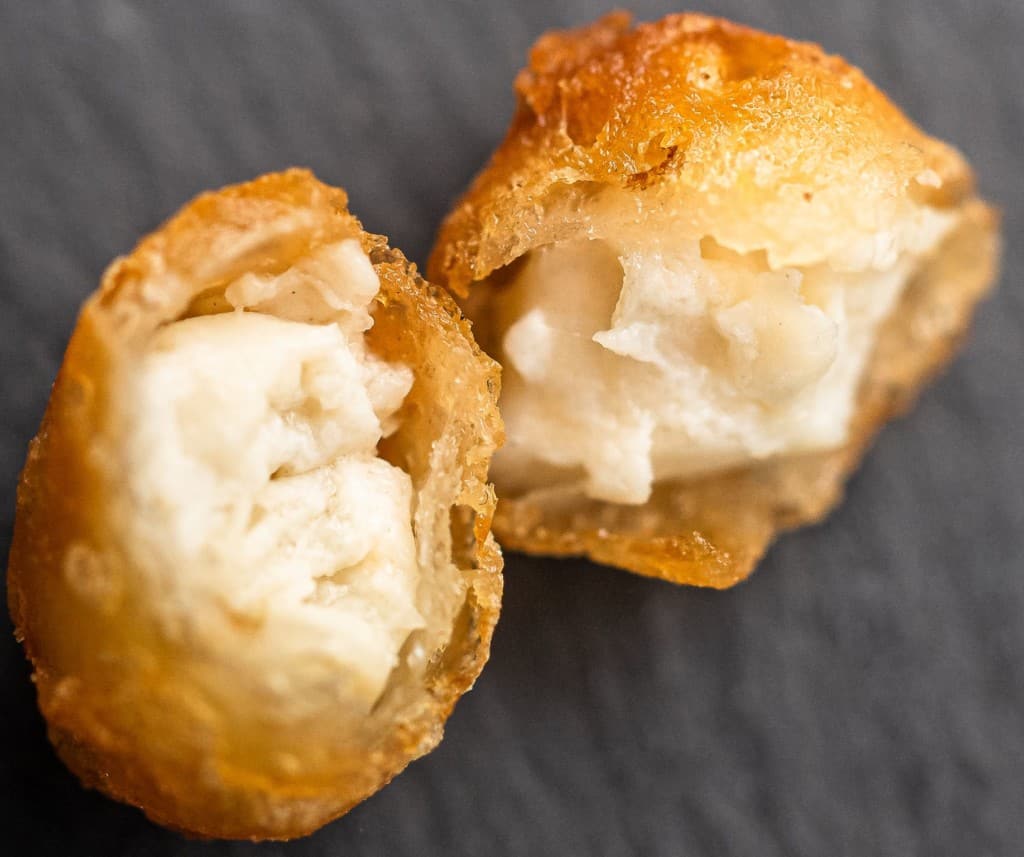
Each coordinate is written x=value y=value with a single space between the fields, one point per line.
x=594 y=110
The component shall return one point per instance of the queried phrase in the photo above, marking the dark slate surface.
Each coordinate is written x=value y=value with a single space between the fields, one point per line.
x=861 y=695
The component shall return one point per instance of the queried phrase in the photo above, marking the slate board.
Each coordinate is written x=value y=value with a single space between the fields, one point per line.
x=861 y=695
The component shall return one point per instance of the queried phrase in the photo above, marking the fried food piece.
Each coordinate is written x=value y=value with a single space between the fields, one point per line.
x=712 y=262
x=252 y=564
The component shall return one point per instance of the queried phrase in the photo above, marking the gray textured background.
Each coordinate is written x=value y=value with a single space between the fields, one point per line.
x=861 y=695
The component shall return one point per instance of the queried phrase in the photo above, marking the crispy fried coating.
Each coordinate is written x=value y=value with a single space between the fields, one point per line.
x=765 y=145
x=137 y=707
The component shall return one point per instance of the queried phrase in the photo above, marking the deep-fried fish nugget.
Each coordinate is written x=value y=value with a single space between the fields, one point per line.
x=252 y=564
x=712 y=263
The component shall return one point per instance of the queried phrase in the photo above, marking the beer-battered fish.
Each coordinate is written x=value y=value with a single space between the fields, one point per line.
x=712 y=263
x=252 y=564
